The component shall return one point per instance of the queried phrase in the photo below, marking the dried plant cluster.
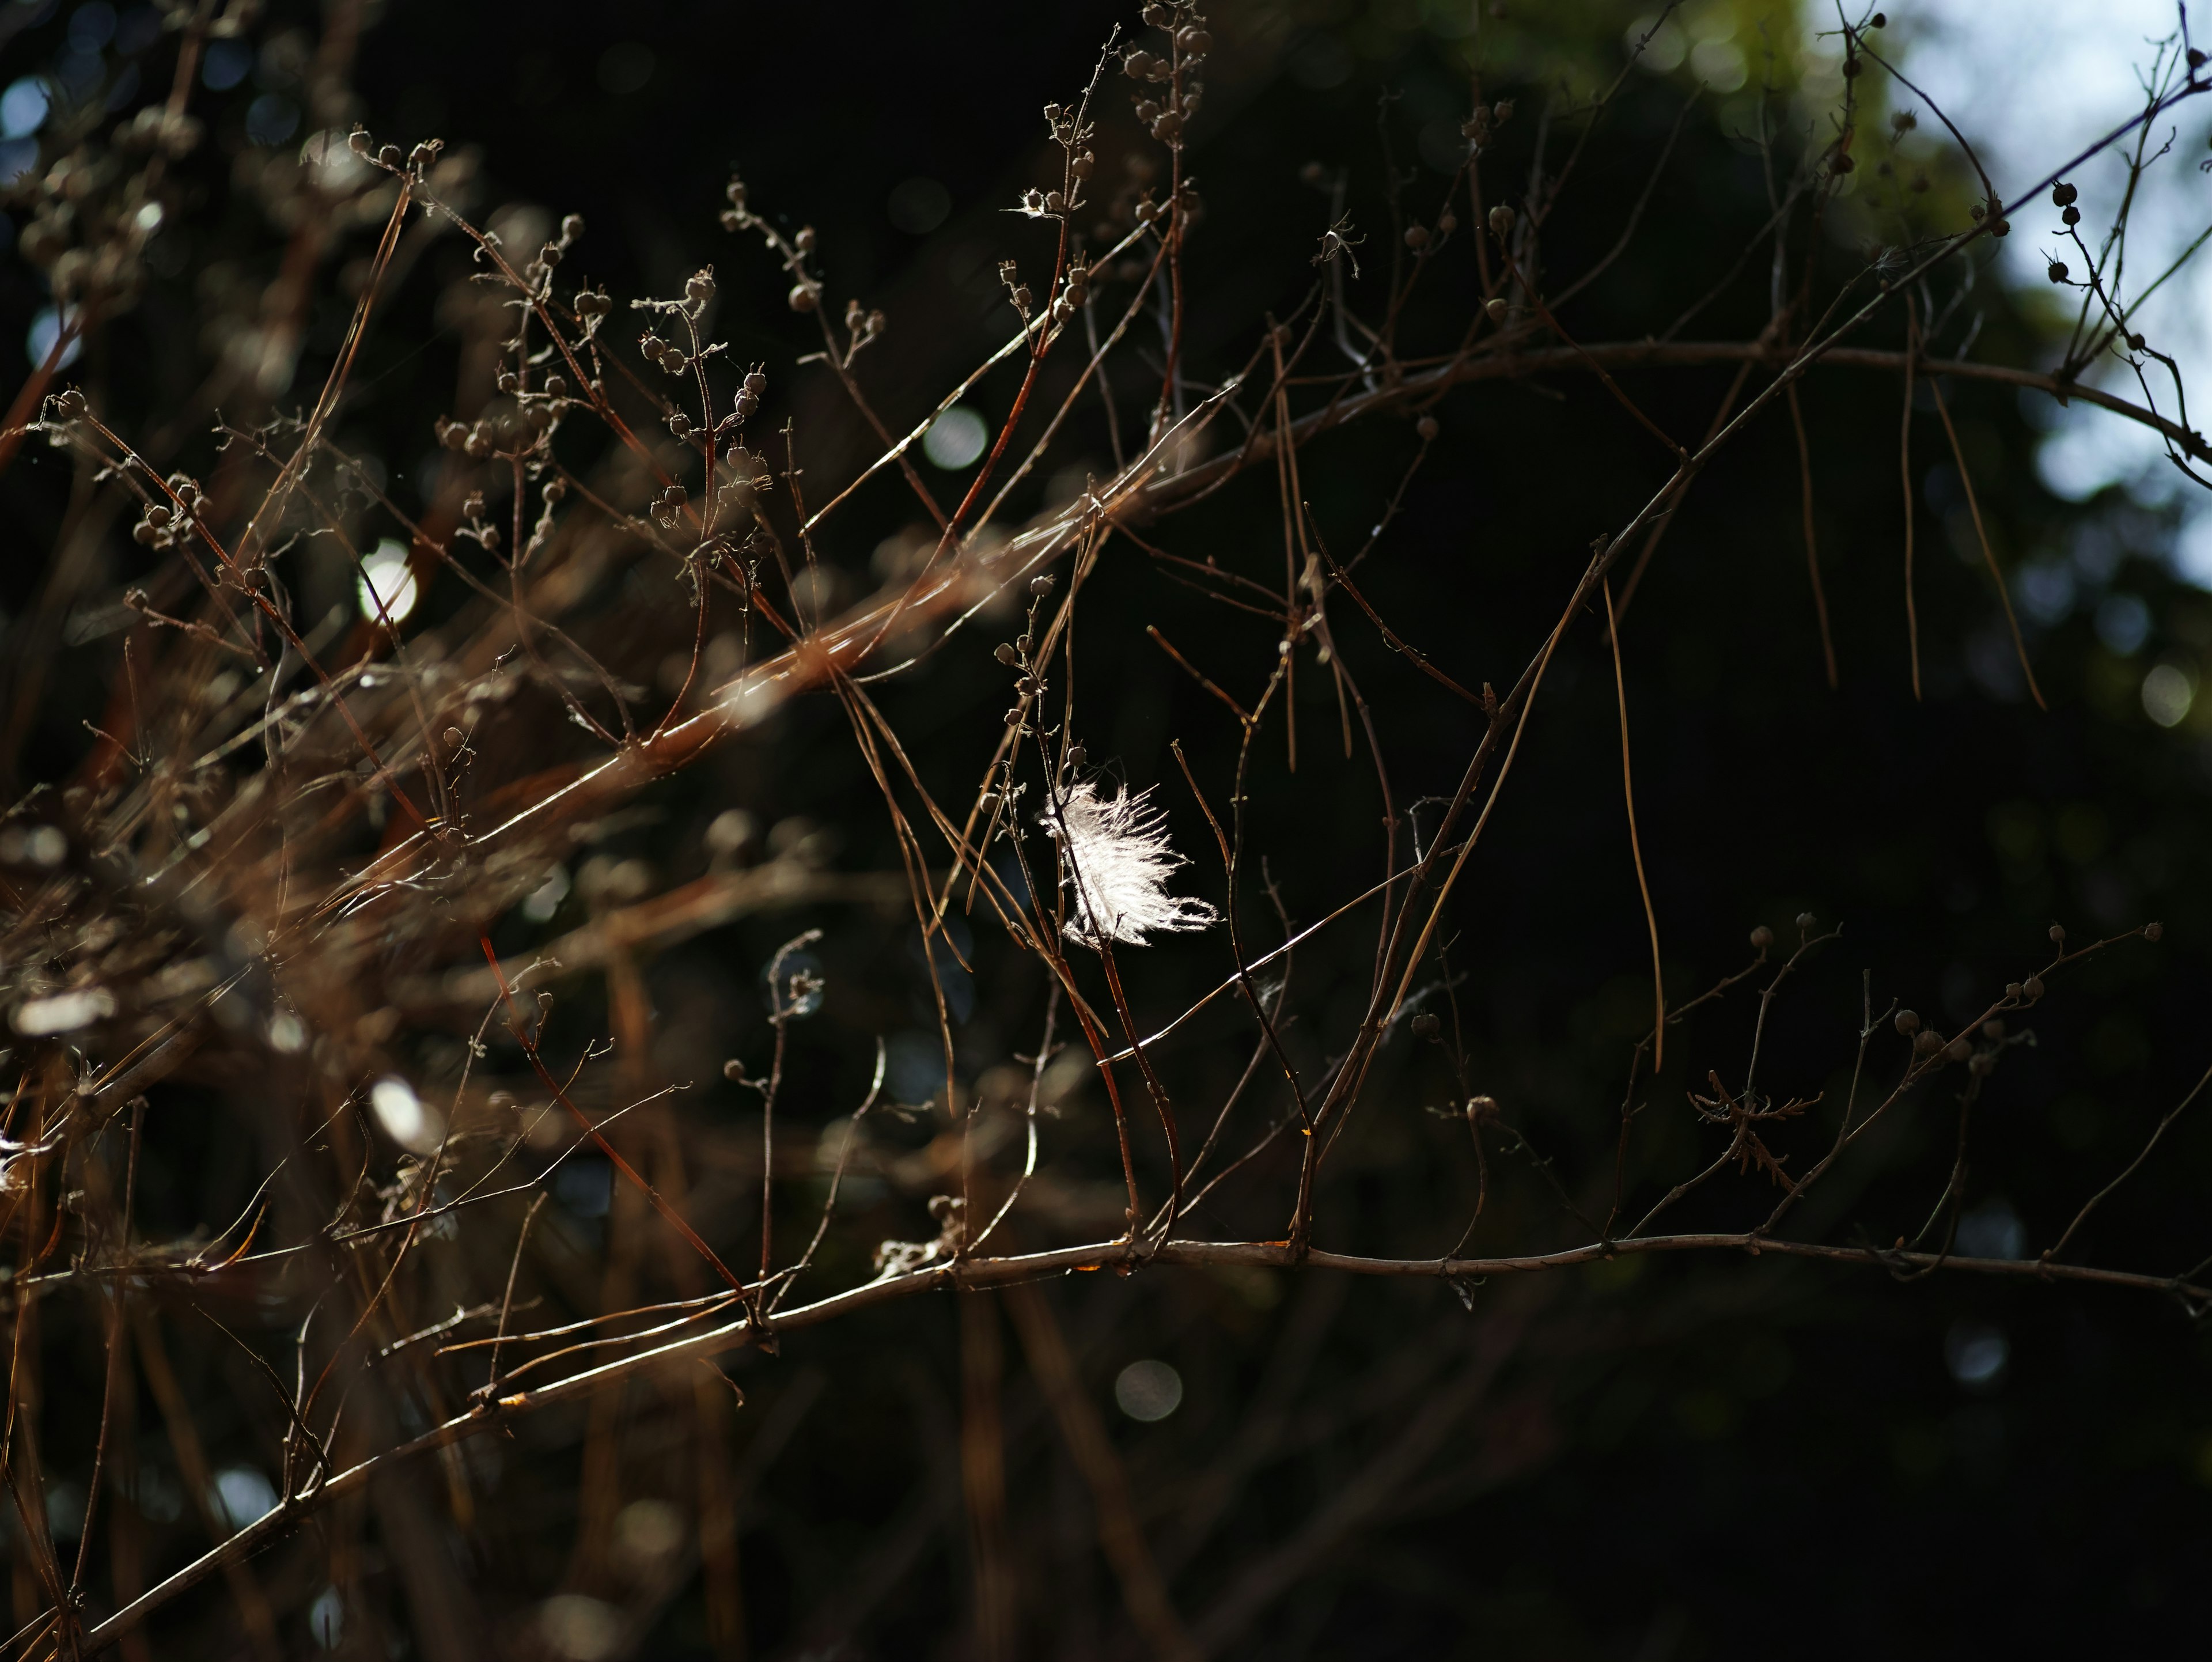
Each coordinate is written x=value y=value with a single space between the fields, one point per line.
x=302 y=884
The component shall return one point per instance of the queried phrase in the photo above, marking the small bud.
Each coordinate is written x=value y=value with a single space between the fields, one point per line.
x=1425 y=1026
x=2012 y=989
x=1928 y=1044
x=1908 y=1022
x=1957 y=1050
x=1427 y=428
x=2072 y=215
x=1417 y=237
x=2058 y=934
x=2032 y=986
x=1806 y=920
x=1041 y=584
x=1496 y=309
x=1028 y=686
x=801 y=297
x=1877 y=21
x=1501 y=221
x=508 y=382
x=733 y=1069
x=1762 y=937
x=1077 y=755
x=389 y=156
x=1005 y=652
x=1502 y=110
x=1980 y=1063
x=1993 y=1028
x=455 y=738
x=2063 y=195
x=2055 y=270
x=2153 y=932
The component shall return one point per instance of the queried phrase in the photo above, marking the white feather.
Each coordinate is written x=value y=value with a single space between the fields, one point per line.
x=1115 y=859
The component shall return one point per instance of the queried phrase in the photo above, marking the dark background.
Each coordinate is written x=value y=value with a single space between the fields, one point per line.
x=1678 y=1459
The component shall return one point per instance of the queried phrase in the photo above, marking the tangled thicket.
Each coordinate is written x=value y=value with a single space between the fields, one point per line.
x=339 y=874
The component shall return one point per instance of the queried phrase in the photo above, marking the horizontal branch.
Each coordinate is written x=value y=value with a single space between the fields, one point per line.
x=1096 y=1256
